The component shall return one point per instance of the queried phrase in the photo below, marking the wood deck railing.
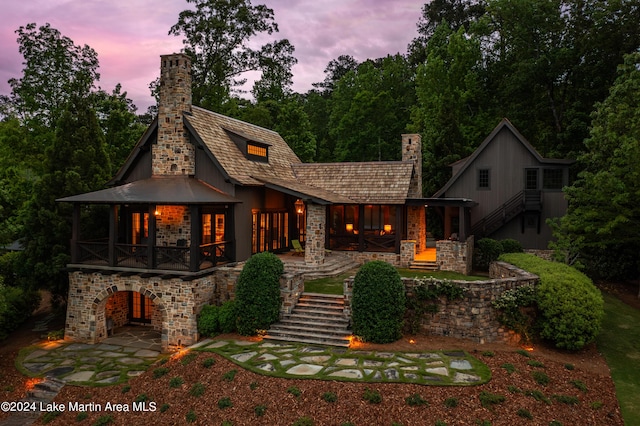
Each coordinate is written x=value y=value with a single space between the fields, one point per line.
x=173 y=258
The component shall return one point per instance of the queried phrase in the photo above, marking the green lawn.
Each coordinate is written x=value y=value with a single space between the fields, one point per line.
x=334 y=285
x=619 y=342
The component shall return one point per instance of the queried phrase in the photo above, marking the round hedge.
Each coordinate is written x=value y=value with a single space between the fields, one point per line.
x=571 y=307
x=208 y=324
x=378 y=303
x=258 y=293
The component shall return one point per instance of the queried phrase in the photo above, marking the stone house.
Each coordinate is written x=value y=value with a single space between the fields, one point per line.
x=200 y=190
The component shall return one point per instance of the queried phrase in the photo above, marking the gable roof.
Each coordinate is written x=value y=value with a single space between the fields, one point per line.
x=212 y=131
x=505 y=123
x=383 y=182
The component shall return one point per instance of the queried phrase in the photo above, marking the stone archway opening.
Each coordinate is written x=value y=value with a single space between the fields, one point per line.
x=129 y=318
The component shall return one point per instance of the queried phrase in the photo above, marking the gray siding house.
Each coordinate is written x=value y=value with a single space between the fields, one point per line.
x=515 y=188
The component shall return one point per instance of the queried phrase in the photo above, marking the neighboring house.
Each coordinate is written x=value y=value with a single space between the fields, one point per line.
x=515 y=188
x=200 y=190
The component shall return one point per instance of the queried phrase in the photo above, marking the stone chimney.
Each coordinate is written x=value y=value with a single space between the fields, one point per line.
x=412 y=151
x=173 y=154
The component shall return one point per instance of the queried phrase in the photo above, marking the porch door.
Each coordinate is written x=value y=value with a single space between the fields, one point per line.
x=270 y=231
x=139 y=308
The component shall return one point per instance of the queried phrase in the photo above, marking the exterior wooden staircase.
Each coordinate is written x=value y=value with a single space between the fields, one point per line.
x=316 y=319
x=523 y=201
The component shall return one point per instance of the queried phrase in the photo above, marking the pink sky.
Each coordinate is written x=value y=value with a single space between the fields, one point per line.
x=130 y=35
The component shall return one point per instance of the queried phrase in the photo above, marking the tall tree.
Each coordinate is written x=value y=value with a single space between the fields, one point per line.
x=449 y=113
x=295 y=128
x=370 y=109
x=217 y=36
x=457 y=13
x=55 y=69
x=77 y=162
x=119 y=123
x=335 y=70
x=277 y=78
x=603 y=221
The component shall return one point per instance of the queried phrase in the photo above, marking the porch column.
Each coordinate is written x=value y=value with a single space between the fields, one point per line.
x=151 y=240
x=113 y=233
x=316 y=231
x=417 y=226
x=196 y=233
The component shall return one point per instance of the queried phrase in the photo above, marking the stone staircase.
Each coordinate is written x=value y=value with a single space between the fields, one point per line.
x=334 y=264
x=424 y=265
x=316 y=319
x=37 y=397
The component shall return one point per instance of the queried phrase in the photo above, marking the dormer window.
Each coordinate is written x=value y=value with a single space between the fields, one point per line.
x=252 y=149
x=257 y=152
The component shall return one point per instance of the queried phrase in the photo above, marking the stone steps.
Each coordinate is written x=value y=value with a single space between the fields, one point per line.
x=40 y=395
x=424 y=265
x=316 y=319
x=335 y=264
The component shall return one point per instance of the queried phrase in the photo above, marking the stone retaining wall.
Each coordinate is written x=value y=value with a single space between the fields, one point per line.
x=291 y=287
x=472 y=317
x=363 y=257
x=456 y=256
x=176 y=303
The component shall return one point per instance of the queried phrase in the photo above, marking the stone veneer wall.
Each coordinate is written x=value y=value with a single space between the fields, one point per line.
x=402 y=260
x=412 y=151
x=456 y=256
x=362 y=257
x=472 y=317
x=173 y=154
x=407 y=253
x=315 y=236
x=176 y=302
x=417 y=227
x=173 y=224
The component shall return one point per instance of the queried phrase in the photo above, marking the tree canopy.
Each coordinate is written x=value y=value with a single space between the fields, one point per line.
x=604 y=216
x=216 y=38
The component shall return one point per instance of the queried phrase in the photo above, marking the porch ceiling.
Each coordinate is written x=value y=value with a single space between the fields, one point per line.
x=158 y=190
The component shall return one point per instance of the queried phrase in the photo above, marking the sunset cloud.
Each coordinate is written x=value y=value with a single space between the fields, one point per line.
x=130 y=35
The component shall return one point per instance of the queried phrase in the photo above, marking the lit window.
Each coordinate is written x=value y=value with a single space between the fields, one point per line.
x=256 y=150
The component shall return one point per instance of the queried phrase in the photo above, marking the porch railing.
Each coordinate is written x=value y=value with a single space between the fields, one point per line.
x=174 y=258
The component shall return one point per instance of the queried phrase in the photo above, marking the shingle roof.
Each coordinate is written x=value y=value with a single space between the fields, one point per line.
x=384 y=182
x=302 y=190
x=212 y=129
x=159 y=190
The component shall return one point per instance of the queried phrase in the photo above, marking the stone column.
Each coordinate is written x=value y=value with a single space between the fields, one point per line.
x=315 y=238
x=417 y=226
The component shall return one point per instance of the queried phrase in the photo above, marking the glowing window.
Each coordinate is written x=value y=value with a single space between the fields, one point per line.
x=258 y=151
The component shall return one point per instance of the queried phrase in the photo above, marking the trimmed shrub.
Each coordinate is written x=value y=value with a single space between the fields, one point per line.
x=510 y=245
x=487 y=250
x=378 y=303
x=227 y=316
x=570 y=306
x=208 y=324
x=258 y=293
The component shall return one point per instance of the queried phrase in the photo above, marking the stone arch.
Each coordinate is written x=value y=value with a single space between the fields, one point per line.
x=97 y=315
